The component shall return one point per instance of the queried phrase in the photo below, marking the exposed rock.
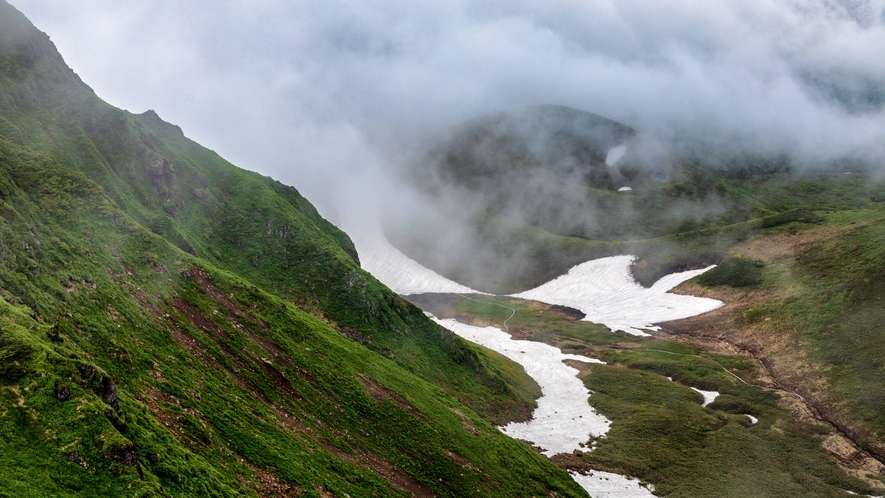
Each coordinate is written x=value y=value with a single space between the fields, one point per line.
x=87 y=372
x=75 y=457
x=111 y=395
x=62 y=392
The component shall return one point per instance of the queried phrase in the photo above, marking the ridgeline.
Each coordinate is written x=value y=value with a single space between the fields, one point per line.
x=172 y=325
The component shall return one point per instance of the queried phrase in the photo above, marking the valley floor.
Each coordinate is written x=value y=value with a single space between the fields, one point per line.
x=730 y=437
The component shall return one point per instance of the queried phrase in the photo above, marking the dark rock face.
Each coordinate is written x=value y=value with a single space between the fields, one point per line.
x=87 y=372
x=110 y=395
x=105 y=387
x=62 y=392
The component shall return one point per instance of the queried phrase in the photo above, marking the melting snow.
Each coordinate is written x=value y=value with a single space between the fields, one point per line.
x=753 y=419
x=605 y=291
x=709 y=396
x=607 y=485
x=615 y=154
x=563 y=420
x=396 y=270
x=624 y=189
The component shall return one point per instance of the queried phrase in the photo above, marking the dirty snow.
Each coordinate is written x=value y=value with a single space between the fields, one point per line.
x=605 y=291
x=394 y=269
x=709 y=396
x=563 y=419
x=607 y=485
x=615 y=154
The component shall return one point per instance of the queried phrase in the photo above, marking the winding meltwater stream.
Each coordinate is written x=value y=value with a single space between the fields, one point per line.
x=604 y=290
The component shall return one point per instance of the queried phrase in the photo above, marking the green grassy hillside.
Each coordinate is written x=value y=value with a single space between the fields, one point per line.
x=819 y=304
x=660 y=432
x=173 y=325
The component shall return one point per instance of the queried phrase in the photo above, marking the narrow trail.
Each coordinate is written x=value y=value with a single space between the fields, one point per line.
x=512 y=311
x=814 y=411
x=729 y=372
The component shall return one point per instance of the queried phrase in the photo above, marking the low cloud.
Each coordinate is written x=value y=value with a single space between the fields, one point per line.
x=316 y=92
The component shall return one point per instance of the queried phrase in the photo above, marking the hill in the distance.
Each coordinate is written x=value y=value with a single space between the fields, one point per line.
x=521 y=196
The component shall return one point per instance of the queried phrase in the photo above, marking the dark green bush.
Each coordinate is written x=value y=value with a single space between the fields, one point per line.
x=733 y=272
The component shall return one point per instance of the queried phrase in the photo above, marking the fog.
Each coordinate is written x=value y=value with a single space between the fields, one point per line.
x=333 y=96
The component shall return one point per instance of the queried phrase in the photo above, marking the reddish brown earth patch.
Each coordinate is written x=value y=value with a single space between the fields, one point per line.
x=267 y=483
x=381 y=393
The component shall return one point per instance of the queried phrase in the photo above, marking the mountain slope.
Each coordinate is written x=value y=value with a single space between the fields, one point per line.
x=173 y=325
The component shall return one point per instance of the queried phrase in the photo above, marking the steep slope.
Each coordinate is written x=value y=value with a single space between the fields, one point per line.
x=173 y=325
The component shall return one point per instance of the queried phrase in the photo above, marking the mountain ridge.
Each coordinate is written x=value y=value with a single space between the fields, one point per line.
x=173 y=325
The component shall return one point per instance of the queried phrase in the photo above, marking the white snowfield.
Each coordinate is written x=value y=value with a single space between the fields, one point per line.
x=605 y=291
x=607 y=485
x=396 y=270
x=709 y=396
x=615 y=154
x=563 y=420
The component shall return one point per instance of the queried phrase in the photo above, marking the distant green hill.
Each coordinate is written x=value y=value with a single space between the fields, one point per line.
x=171 y=325
x=536 y=195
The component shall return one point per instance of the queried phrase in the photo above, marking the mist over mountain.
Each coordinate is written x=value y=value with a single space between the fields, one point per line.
x=171 y=324
x=315 y=94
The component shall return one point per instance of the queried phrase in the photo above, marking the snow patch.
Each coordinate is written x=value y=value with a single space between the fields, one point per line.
x=709 y=396
x=753 y=419
x=563 y=420
x=625 y=189
x=607 y=485
x=615 y=154
x=397 y=271
x=605 y=291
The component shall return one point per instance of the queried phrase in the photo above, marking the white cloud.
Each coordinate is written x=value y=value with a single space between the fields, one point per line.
x=269 y=83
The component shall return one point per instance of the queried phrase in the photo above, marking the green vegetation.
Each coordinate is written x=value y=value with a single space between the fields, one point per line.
x=830 y=302
x=542 y=200
x=171 y=325
x=660 y=432
x=734 y=272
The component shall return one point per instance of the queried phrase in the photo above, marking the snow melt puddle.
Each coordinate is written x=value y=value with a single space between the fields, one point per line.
x=605 y=291
x=709 y=396
x=563 y=419
x=397 y=271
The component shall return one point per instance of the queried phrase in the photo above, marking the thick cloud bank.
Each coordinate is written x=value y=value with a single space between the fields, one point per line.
x=318 y=92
